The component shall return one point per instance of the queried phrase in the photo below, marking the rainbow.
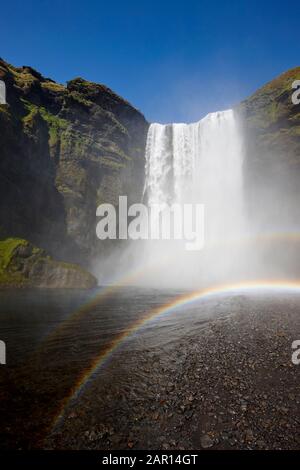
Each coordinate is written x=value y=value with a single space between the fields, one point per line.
x=135 y=276
x=180 y=301
x=101 y=294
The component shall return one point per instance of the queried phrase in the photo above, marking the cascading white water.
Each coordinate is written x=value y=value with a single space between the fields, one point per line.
x=202 y=163
x=199 y=162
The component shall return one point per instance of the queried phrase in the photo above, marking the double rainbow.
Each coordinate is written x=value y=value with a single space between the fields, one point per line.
x=177 y=303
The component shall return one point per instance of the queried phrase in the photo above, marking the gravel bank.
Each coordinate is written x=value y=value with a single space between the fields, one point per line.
x=230 y=384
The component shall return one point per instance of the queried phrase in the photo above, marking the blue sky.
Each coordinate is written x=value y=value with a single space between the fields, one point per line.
x=173 y=60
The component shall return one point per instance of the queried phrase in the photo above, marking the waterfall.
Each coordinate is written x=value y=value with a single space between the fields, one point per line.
x=199 y=162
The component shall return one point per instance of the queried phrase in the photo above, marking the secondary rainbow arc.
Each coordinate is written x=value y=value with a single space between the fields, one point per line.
x=182 y=300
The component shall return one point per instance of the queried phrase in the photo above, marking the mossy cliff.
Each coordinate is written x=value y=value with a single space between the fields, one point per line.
x=64 y=150
x=271 y=126
x=23 y=265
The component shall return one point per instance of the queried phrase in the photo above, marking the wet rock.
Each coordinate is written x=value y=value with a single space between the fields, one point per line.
x=206 y=441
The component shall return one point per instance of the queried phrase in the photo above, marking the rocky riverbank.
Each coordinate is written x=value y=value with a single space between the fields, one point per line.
x=229 y=385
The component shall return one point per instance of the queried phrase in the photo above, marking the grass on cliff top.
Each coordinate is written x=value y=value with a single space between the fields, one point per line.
x=279 y=85
x=25 y=76
x=272 y=102
x=53 y=86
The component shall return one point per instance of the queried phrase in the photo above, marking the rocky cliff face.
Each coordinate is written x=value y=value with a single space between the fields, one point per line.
x=24 y=265
x=64 y=150
x=271 y=125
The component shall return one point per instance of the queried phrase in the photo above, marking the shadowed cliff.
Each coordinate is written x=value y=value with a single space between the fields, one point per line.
x=271 y=128
x=67 y=149
x=64 y=150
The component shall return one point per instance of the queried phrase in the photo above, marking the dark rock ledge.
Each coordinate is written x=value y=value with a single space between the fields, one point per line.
x=24 y=265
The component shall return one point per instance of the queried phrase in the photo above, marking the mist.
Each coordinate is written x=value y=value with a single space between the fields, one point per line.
x=250 y=216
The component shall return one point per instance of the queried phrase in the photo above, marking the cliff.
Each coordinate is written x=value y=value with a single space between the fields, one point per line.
x=271 y=127
x=67 y=149
x=24 y=265
x=64 y=150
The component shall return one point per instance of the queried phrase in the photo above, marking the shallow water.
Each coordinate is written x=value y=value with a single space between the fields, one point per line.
x=62 y=321
x=54 y=337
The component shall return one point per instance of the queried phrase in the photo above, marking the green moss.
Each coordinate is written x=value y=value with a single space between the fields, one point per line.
x=23 y=78
x=273 y=118
x=7 y=248
x=32 y=267
x=30 y=117
x=14 y=280
x=52 y=119
x=72 y=138
x=80 y=99
x=52 y=86
x=56 y=125
x=4 y=109
x=109 y=163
